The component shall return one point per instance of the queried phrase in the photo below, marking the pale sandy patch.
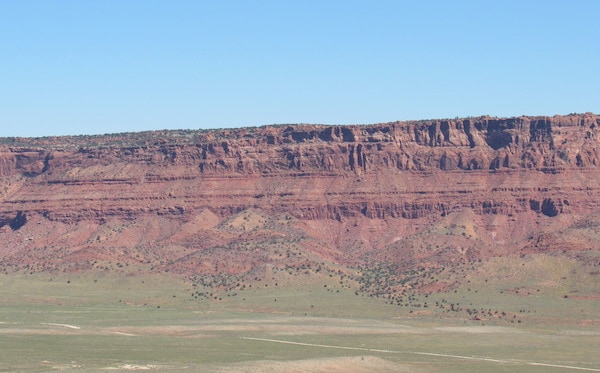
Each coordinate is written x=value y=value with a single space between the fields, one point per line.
x=478 y=329
x=31 y=331
x=125 y=334
x=275 y=326
x=355 y=364
x=167 y=330
x=63 y=325
x=579 y=332
x=170 y=330
x=130 y=367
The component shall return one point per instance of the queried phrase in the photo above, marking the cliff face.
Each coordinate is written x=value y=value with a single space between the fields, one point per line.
x=393 y=170
x=411 y=194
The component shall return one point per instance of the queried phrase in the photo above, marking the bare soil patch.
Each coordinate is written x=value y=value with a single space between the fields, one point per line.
x=358 y=364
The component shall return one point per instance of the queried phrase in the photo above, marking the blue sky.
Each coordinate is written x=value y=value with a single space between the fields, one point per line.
x=104 y=66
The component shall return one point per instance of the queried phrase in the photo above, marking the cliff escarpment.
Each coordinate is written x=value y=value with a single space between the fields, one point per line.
x=403 y=170
x=219 y=206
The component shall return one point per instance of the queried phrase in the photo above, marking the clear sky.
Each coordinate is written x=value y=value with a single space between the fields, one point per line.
x=105 y=66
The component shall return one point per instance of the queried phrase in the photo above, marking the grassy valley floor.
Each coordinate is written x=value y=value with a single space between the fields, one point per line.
x=156 y=322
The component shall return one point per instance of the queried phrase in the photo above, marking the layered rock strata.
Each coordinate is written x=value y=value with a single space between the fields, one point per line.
x=399 y=170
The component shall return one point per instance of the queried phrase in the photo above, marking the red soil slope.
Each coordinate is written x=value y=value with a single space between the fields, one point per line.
x=241 y=200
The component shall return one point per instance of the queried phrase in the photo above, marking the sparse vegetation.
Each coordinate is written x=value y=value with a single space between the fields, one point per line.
x=207 y=230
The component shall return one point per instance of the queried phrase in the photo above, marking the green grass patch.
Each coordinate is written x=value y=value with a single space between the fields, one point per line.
x=87 y=322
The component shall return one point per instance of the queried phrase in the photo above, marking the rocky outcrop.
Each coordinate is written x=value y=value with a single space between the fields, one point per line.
x=399 y=170
x=405 y=196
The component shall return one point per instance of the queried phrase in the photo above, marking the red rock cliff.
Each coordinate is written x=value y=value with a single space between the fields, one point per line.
x=391 y=170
